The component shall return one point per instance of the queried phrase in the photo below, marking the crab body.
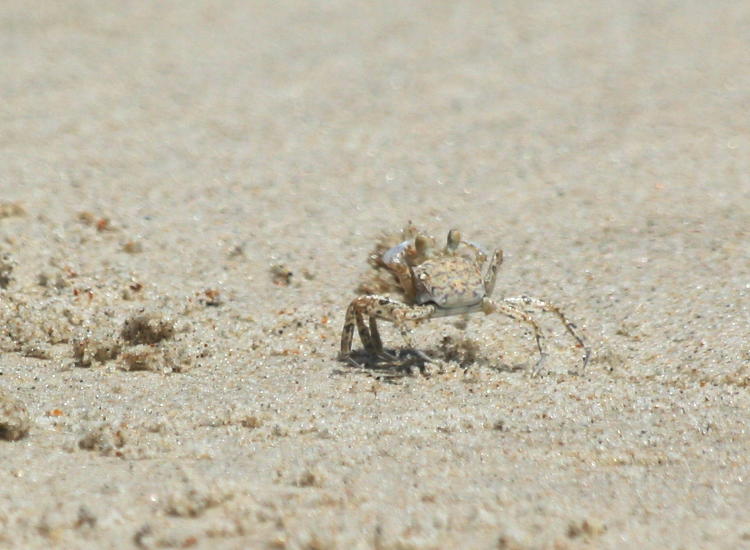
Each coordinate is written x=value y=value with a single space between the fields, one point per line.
x=437 y=283
x=449 y=283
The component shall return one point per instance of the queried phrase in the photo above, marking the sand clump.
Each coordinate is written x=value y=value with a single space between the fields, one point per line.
x=64 y=314
x=67 y=308
x=146 y=328
x=145 y=342
x=35 y=323
x=6 y=268
x=281 y=275
x=10 y=209
x=104 y=439
x=47 y=325
x=194 y=499
x=14 y=418
x=463 y=350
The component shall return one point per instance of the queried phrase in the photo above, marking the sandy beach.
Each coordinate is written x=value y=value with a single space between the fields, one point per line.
x=189 y=194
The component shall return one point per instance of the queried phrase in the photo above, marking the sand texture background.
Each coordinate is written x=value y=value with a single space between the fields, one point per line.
x=164 y=383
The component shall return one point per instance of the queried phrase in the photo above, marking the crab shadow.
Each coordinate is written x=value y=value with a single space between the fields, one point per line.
x=395 y=365
x=390 y=366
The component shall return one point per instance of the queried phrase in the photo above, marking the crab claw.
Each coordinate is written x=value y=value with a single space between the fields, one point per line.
x=397 y=253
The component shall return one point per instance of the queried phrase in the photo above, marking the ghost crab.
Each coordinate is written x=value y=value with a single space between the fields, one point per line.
x=439 y=283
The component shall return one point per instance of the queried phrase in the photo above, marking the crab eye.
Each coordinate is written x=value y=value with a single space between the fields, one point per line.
x=421 y=243
x=454 y=239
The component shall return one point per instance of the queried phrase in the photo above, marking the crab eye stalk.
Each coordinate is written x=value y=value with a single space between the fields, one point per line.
x=454 y=239
x=422 y=244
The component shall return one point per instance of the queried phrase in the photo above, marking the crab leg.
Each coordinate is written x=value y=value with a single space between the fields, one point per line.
x=379 y=307
x=364 y=332
x=354 y=317
x=377 y=343
x=491 y=275
x=509 y=310
x=544 y=306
